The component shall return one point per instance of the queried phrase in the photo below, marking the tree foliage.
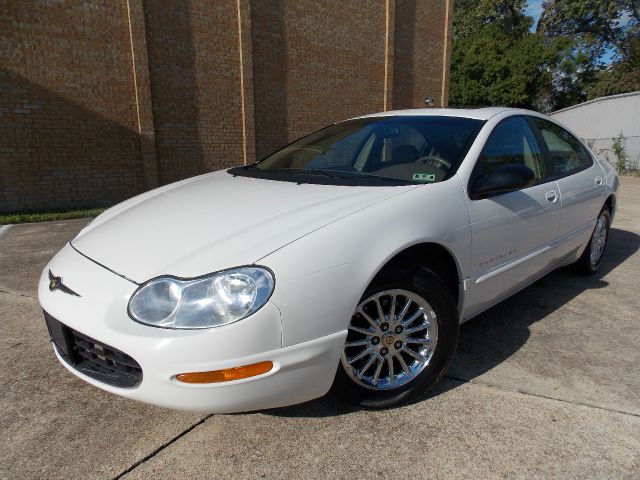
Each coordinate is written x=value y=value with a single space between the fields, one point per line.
x=597 y=29
x=471 y=15
x=596 y=26
x=496 y=68
x=497 y=60
x=620 y=77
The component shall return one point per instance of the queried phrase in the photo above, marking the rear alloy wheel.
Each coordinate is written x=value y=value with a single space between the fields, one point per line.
x=400 y=340
x=598 y=240
x=591 y=258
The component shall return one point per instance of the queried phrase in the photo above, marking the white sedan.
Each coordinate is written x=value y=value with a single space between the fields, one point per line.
x=348 y=258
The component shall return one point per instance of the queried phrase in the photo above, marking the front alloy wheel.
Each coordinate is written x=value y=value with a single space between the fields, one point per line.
x=400 y=340
x=391 y=339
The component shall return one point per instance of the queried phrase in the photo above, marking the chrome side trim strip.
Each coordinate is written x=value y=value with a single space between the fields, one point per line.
x=515 y=263
x=559 y=241
x=578 y=231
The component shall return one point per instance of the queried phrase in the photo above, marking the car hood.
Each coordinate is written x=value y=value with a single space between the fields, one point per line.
x=215 y=221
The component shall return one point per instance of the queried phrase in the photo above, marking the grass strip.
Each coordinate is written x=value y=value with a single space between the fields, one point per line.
x=48 y=216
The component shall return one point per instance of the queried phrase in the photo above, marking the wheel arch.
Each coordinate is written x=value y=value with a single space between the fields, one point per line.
x=434 y=256
x=611 y=203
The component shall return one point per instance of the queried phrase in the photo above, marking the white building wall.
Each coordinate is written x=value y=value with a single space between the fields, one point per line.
x=599 y=121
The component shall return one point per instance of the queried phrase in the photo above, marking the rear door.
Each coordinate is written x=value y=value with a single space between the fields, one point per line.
x=512 y=233
x=580 y=182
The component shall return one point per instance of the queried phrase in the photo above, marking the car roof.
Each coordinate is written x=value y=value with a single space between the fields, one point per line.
x=484 y=113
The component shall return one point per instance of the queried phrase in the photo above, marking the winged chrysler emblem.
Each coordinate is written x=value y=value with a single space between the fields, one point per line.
x=55 y=283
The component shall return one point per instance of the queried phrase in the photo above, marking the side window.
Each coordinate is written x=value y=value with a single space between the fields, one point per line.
x=566 y=153
x=512 y=141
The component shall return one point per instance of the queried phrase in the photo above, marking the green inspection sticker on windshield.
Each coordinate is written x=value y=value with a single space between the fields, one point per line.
x=424 y=177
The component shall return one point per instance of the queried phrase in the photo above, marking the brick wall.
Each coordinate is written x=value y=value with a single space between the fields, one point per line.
x=67 y=113
x=312 y=67
x=195 y=84
x=101 y=100
x=425 y=59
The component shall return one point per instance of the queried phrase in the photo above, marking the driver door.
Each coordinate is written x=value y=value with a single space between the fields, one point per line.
x=512 y=233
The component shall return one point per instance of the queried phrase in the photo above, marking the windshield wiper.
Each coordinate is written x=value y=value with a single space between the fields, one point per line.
x=334 y=174
x=251 y=166
x=319 y=171
x=254 y=166
x=348 y=174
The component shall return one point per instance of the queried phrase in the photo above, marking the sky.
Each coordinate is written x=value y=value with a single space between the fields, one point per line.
x=534 y=9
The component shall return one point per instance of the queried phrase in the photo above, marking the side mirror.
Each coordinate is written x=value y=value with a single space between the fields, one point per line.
x=506 y=178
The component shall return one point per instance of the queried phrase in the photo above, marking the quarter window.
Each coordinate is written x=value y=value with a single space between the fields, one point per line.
x=566 y=153
x=511 y=142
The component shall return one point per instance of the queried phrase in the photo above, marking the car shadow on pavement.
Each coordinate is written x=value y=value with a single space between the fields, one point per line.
x=495 y=335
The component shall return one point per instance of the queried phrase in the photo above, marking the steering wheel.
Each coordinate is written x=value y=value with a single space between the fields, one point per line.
x=435 y=162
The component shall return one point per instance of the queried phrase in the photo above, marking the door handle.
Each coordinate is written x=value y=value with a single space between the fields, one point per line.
x=551 y=196
x=598 y=181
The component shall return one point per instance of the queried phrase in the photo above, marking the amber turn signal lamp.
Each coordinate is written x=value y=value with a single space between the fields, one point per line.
x=226 y=375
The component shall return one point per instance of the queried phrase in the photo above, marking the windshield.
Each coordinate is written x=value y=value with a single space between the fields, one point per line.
x=396 y=149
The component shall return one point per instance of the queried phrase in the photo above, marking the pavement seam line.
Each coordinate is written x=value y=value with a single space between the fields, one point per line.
x=18 y=294
x=162 y=447
x=531 y=394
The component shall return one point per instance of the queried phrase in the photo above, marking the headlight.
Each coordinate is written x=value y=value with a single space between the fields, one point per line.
x=203 y=302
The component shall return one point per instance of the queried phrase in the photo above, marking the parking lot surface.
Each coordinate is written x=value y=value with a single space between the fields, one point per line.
x=546 y=384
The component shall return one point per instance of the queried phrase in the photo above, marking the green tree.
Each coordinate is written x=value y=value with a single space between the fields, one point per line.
x=572 y=75
x=495 y=60
x=623 y=75
x=596 y=26
x=471 y=15
x=593 y=30
x=620 y=77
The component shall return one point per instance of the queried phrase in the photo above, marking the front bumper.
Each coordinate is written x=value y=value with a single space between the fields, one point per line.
x=300 y=372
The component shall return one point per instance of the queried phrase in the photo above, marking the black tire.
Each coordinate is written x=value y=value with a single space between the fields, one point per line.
x=426 y=284
x=584 y=265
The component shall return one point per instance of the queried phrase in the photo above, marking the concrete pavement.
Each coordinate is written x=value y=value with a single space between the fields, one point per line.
x=546 y=384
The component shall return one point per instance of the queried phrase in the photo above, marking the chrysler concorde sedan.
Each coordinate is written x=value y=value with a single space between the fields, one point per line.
x=349 y=258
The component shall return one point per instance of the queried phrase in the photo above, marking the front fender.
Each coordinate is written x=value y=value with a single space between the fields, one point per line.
x=321 y=277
